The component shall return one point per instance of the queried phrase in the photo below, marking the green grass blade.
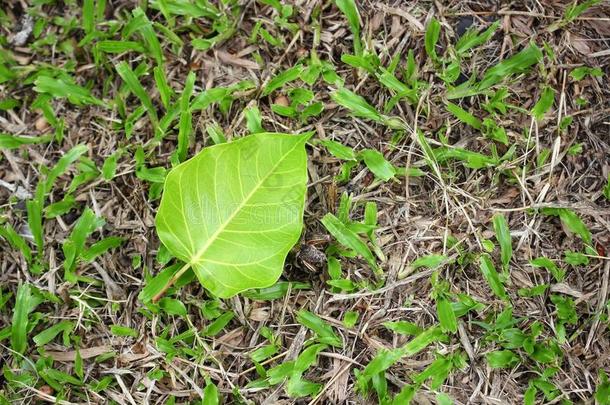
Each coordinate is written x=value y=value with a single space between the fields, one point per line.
x=504 y=239
x=446 y=316
x=516 y=64
x=34 y=209
x=88 y=16
x=491 y=275
x=210 y=393
x=325 y=332
x=185 y=125
x=283 y=78
x=60 y=88
x=148 y=33
x=358 y=106
x=8 y=141
x=49 y=334
x=19 y=326
x=350 y=10
x=110 y=46
x=16 y=241
x=348 y=238
x=544 y=104
x=464 y=116
x=136 y=88
x=431 y=38
x=472 y=39
x=378 y=164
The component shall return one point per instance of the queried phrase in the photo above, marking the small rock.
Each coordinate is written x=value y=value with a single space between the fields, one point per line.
x=21 y=37
x=283 y=101
x=41 y=123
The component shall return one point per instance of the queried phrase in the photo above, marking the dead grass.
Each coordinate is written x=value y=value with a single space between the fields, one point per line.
x=415 y=214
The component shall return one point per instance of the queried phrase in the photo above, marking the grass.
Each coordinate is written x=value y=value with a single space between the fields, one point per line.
x=456 y=225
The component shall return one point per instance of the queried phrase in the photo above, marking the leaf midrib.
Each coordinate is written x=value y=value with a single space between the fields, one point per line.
x=197 y=257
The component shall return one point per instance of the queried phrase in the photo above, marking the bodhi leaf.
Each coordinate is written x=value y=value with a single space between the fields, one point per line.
x=233 y=211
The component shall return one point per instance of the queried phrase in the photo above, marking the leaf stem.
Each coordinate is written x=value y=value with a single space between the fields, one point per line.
x=171 y=282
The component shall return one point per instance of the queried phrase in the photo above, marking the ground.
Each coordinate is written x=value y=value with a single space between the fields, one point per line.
x=461 y=150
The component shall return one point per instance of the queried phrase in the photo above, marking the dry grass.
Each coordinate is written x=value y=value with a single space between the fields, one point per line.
x=416 y=214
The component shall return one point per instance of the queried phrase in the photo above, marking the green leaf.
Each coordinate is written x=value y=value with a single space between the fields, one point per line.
x=101 y=247
x=386 y=358
x=276 y=291
x=325 y=332
x=19 y=326
x=502 y=359
x=185 y=125
x=16 y=241
x=548 y=264
x=473 y=160
x=110 y=164
x=119 y=330
x=63 y=164
x=148 y=33
x=8 y=141
x=602 y=392
x=75 y=244
x=471 y=39
x=233 y=211
x=210 y=393
x=504 y=239
x=349 y=238
x=34 y=211
x=404 y=328
x=254 y=120
x=516 y=64
x=155 y=285
x=280 y=80
x=62 y=88
x=544 y=104
x=297 y=386
x=358 y=106
x=338 y=150
x=406 y=394
x=219 y=323
x=443 y=399
x=134 y=85
x=464 y=115
x=216 y=134
x=377 y=164
x=437 y=371
x=165 y=92
x=581 y=72
x=88 y=16
x=172 y=306
x=49 y=334
x=575 y=258
x=431 y=38
x=109 y=46
x=572 y=221
x=575 y=9
x=446 y=316
x=368 y=62
x=430 y=261
x=533 y=291
x=350 y=318
x=543 y=353
x=491 y=275
x=349 y=8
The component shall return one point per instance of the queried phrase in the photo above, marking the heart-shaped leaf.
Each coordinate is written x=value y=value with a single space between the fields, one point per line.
x=233 y=211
